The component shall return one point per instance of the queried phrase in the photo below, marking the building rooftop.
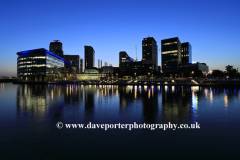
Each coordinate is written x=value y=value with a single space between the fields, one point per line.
x=150 y=38
x=56 y=41
x=30 y=52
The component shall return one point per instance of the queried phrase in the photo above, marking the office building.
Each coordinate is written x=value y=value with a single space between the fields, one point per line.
x=81 y=65
x=56 y=48
x=89 y=74
x=40 y=65
x=193 y=69
x=125 y=63
x=186 y=53
x=107 y=70
x=150 y=53
x=171 y=55
x=89 y=57
x=74 y=59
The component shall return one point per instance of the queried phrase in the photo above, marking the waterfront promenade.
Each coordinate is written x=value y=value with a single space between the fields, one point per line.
x=189 y=82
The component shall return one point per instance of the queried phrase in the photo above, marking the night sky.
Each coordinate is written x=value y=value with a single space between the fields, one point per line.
x=110 y=26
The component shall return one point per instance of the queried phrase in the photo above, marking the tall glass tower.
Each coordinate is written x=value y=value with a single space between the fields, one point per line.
x=89 y=57
x=150 y=53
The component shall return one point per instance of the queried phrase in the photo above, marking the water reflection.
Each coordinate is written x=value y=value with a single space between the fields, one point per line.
x=2 y=87
x=176 y=105
x=150 y=104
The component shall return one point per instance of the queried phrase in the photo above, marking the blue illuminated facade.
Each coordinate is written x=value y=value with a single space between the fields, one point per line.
x=40 y=65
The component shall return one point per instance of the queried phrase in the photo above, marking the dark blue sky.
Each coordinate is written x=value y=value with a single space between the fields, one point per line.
x=110 y=26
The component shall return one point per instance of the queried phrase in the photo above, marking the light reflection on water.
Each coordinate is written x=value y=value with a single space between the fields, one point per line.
x=37 y=108
x=178 y=103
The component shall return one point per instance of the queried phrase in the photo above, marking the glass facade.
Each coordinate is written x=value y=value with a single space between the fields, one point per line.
x=56 y=48
x=187 y=68
x=74 y=59
x=186 y=53
x=89 y=54
x=39 y=65
x=171 y=54
x=150 y=53
x=125 y=62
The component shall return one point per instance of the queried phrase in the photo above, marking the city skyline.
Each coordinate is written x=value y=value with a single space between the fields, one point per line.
x=114 y=26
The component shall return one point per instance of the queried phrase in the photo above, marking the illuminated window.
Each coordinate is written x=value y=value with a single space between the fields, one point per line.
x=166 y=52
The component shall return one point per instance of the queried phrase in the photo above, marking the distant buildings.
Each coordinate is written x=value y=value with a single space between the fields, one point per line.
x=193 y=69
x=150 y=53
x=107 y=70
x=43 y=65
x=56 y=48
x=177 y=59
x=74 y=59
x=149 y=63
x=81 y=66
x=89 y=55
x=39 y=65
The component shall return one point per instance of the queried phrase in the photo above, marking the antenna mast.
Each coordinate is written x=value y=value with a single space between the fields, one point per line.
x=136 y=53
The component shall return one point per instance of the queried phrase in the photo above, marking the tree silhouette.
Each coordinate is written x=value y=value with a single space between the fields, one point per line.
x=229 y=68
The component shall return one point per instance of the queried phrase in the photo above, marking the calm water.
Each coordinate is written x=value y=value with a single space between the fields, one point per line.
x=29 y=113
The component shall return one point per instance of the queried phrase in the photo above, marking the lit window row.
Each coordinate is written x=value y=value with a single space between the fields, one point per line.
x=36 y=65
x=39 y=57
x=170 y=43
x=25 y=62
x=167 y=52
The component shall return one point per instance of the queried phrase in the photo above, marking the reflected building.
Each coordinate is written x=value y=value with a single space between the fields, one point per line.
x=129 y=97
x=71 y=93
x=39 y=101
x=176 y=104
x=89 y=92
x=150 y=105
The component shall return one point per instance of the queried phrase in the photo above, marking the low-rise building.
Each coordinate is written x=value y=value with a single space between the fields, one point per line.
x=89 y=74
x=193 y=69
